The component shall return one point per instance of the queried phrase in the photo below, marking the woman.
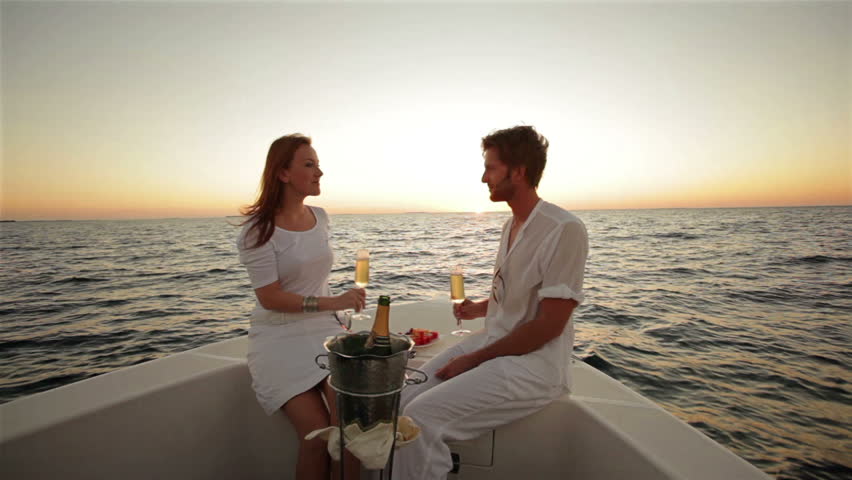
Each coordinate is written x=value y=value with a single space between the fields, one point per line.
x=285 y=247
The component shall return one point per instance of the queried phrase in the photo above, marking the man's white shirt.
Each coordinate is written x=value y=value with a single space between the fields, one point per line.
x=547 y=259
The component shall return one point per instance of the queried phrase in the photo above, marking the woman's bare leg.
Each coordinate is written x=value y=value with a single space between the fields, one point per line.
x=307 y=412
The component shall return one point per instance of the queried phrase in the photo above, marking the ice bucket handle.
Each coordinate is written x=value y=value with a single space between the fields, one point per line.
x=415 y=381
x=323 y=366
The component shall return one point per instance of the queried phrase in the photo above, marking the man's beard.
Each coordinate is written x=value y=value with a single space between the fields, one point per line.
x=503 y=191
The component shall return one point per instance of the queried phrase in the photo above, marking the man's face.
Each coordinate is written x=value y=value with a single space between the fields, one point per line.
x=498 y=177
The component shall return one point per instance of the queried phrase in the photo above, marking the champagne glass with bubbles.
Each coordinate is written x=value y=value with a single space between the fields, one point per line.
x=457 y=296
x=362 y=277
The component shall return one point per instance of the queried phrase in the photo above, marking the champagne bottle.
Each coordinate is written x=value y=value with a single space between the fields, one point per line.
x=378 y=343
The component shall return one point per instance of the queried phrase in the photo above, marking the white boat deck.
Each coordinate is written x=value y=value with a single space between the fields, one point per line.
x=194 y=415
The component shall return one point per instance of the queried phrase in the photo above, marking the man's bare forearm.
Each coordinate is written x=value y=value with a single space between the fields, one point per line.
x=548 y=324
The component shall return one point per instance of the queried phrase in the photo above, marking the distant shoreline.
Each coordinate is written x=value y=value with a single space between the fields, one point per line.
x=490 y=212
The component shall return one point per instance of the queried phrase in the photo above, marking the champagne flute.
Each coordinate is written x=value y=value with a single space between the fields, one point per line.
x=457 y=296
x=362 y=277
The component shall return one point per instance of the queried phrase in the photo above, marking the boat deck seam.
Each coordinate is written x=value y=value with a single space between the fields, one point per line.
x=609 y=401
x=220 y=357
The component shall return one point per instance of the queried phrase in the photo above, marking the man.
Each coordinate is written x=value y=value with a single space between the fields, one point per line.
x=520 y=362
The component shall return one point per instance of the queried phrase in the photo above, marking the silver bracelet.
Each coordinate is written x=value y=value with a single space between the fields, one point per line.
x=310 y=304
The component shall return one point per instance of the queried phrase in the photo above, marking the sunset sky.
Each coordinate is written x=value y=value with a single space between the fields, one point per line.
x=144 y=109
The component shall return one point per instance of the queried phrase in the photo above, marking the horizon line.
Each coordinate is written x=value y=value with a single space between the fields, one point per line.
x=430 y=212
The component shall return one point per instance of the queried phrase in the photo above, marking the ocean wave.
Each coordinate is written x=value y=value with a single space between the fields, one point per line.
x=826 y=360
x=677 y=235
x=22 y=308
x=157 y=313
x=397 y=278
x=230 y=296
x=189 y=276
x=813 y=260
x=762 y=296
x=112 y=303
x=809 y=468
x=686 y=271
x=75 y=279
x=708 y=326
x=66 y=341
x=201 y=321
x=42 y=384
x=599 y=362
x=22 y=248
x=635 y=349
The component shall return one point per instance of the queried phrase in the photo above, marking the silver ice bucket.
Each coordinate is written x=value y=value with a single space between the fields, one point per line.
x=368 y=385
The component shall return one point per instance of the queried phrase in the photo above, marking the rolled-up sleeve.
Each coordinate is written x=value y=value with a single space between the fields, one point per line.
x=259 y=261
x=563 y=262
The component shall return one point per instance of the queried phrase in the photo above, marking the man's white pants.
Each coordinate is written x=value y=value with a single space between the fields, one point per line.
x=495 y=393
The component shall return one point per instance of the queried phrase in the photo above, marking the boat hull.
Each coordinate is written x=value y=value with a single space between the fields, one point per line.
x=194 y=415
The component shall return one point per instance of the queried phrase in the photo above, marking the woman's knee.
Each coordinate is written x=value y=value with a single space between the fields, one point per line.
x=307 y=426
x=307 y=413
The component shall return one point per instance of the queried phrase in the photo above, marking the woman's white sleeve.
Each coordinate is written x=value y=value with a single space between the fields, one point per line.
x=259 y=261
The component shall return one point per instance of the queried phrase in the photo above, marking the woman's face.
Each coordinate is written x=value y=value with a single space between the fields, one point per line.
x=303 y=174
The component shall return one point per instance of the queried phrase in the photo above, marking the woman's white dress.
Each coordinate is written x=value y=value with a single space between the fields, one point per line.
x=282 y=347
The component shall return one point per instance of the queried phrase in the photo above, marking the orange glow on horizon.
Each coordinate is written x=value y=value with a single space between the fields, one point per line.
x=92 y=208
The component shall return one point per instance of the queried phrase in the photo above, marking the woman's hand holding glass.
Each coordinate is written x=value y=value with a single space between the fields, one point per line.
x=354 y=298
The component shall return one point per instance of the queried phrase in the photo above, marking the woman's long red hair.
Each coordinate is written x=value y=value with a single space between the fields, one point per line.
x=262 y=212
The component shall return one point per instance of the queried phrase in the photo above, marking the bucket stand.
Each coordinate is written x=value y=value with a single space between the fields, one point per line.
x=394 y=395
